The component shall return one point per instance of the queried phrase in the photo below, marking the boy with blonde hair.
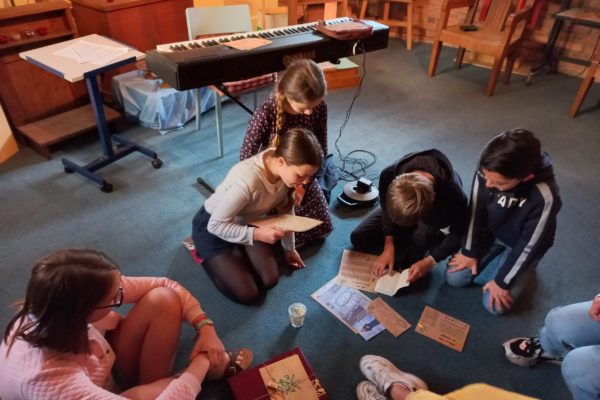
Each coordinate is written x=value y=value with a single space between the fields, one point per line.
x=422 y=216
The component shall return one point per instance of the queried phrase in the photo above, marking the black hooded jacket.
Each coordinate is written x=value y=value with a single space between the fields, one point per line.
x=450 y=205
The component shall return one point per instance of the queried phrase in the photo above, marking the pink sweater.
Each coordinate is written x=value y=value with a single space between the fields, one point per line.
x=27 y=372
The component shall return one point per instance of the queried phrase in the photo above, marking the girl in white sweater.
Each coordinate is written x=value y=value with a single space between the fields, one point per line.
x=239 y=257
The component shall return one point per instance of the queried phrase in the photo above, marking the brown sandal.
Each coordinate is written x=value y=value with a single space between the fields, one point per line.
x=233 y=367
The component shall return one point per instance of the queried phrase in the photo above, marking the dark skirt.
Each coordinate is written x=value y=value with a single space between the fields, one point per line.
x=207 y=244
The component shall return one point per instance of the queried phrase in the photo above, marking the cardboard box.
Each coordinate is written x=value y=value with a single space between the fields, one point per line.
x=250 y=385
x=342 y=75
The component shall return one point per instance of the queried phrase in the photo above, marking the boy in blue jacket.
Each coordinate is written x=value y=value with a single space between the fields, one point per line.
x=513 y=208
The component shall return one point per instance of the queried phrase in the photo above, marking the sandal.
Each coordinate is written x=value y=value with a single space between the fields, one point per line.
x=234 y=367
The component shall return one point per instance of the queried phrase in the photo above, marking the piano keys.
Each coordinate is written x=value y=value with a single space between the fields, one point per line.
x=193 y=64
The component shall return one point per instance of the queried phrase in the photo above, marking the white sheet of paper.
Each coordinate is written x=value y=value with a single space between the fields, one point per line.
x=87 y=52
x=389 y=284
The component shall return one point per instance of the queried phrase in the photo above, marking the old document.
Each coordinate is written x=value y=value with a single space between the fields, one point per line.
x=389 y=318
x=356 y=271
x=287 y=222
x=443 y=328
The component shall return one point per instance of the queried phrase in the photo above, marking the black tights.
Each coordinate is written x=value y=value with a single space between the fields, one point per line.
x=243 y=273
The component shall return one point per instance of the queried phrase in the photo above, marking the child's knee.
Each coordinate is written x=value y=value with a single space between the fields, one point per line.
x=247 y=295
x=163 y=299
x=460 y=278
x=490 y=308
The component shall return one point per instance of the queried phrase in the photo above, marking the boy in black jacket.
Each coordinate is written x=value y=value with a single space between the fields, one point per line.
x=514 y=203
x=422 y=218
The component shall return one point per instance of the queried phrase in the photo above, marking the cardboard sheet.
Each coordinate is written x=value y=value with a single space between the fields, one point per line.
x=287 y=222
x=443 y=328
x=388 y=317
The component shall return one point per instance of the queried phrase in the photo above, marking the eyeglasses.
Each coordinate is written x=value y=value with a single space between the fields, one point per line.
x=119 y=302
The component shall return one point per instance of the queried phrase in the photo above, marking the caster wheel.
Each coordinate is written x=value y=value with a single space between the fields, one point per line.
x=528 y=81
x=106 y=187
x=157 y=163
x=68 y=170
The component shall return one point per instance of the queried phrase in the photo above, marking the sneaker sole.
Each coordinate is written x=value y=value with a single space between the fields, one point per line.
x=520 y=361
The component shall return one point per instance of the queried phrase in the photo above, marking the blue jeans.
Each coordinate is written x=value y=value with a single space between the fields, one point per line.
x=569 y=332
x=488 y=267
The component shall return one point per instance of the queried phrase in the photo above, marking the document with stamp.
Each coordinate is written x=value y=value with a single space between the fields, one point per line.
x=443 y=328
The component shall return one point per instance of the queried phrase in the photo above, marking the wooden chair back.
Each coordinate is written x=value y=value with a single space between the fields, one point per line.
x=496 y=15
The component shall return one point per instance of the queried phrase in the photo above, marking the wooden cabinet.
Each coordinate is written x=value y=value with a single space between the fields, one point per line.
x=28 y=93
x=141 y=24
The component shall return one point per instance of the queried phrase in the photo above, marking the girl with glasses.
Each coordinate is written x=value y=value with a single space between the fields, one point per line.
x=67 y=342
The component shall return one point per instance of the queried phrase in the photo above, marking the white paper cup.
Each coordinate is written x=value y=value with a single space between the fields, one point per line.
x=297 y=312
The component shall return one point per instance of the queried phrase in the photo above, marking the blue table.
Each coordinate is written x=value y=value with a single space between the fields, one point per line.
x=73 y=71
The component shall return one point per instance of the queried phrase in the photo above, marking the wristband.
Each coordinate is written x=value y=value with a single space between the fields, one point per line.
x=198 y=319
x=200 y=324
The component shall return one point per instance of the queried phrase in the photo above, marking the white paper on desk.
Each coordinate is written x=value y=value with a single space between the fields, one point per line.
x=87 y=52
x=389 y=284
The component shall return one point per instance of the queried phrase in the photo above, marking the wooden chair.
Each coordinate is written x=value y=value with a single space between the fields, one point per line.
x=271 y=8
x=387 y=5
x=214 y=21
x=585 y=84
x=499 y=35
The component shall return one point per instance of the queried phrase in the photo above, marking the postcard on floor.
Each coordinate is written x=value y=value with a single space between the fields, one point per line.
x=349 y=306
x=287 y=222
x=443 y=328
x=390 y=319
x=356 y=271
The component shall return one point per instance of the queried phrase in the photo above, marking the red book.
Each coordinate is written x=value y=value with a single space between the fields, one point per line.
x=249 y=385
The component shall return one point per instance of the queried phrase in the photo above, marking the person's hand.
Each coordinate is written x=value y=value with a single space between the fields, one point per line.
x=420 y=269
x=293 y=258
x=209 y=343
x=385 y=260
x=299 y=192
x=500 y=299
x=459 y=261
x=595 y=309
x=268 y=235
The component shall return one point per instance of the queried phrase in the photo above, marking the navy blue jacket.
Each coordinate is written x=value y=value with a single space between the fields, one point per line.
x=523 y=218
x=449 y=209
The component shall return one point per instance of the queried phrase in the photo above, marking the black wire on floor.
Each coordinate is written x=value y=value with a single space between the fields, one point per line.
x=353 y=166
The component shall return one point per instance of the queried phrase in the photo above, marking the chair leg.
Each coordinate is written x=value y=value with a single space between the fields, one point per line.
x=583 y=89
x=198 y=108
x=460 y=56
x=363 y=9
x=409 y=28
x=494 y=76
x=510 y=63
x=435 y=55
x=219 y=120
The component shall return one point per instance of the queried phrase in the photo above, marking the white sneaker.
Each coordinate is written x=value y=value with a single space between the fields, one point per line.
x=383 y=374
x=367 y=391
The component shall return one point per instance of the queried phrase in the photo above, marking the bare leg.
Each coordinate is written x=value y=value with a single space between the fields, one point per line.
x=398 y=392
x=146 y=340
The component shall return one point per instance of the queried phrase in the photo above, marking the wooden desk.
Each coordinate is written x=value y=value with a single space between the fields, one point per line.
x=330 y=11
x=27 y=93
